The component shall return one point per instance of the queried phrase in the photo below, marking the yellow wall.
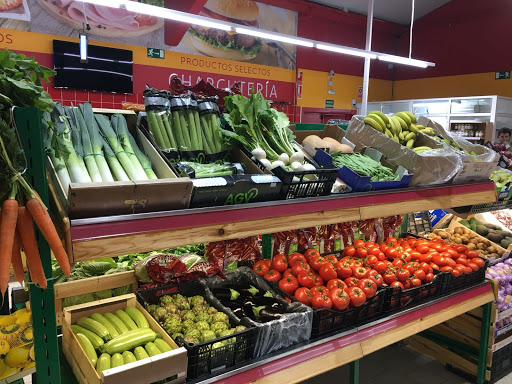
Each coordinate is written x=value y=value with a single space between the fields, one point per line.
x=314 y=90
x=447 y=86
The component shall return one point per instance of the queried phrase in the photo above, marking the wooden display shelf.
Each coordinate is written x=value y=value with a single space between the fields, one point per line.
x=311 y=361
x=118 y=235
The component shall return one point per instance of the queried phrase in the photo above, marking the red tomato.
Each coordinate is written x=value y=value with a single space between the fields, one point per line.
x=371 y=261
x=450 y=262
x=422 y=249
x=349 y=251
x=331 y=259
x=452 y=252
x=478 y=261
x=359 y=243
x=380 y=267
x=369 y=244
x=439 y=260
x=351 y=281
x=428 y=277
x=389 y=277
x=415 y=255
x=299 y=267
x=319 y=290
x=343 y=269
x=374 y=251
x=383 y=247
x=460 y=248
x=391 y=253
x=359 y=272
x=327 y=272
x=456 y=273
x=463 y=260
x=446 y=268
x=335 y=284
x=425 y=258
x=368 y=286
x=316 y=262
x=320 y=301
x=376 y=277
x=467 y=269
x=303 y=295
x=402 y=275
x=391 y=241
x=340 y=299
x=425 y=267
x=318 y=281
x=295 y=257
x=287 y=273
x=407 y=284
x=311 y=253
x=471 y=254
x=289 y=285
x=473 y=266
x=280 y=263
x=357 y=296
x=397 y=285
x=272 y=275
x=267 y=262
x=420 y=274
x=434 y=266
x=410 y=268
x=307 y=279
x=260 y=267
x=361 y=253
x=415 y=282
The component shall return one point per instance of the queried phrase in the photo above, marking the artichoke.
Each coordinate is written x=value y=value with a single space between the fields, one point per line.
x=220 y=316
x=207 y=336
x=202 y=326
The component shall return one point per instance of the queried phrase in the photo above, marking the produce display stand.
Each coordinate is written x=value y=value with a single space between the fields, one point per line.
x=114 y=236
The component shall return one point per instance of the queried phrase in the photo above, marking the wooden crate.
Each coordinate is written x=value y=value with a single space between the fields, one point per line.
x=455 y=223
x=143 y=371
x=90 y=285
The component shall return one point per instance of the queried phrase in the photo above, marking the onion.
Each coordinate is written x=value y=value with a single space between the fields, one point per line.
x=259 y=153
x=266 y=163
x=284 y=158
x=297 y=156
x=296 y=166
x=277 y=163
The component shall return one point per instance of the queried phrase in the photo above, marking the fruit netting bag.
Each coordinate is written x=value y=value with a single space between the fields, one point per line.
x=294 y=327
x=435 y=166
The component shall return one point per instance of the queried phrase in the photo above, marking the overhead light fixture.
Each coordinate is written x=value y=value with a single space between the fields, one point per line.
x=83 y=47
x=406 y=61
x=275 y=36
x=346 y=50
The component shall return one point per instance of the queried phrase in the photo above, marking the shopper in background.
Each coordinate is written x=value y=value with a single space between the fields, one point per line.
x=504 y=136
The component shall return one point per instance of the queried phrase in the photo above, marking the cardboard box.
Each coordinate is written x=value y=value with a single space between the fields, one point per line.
x=475 y=167
x=360 y=183
x=255 y=186
x=429 y=168
x=85 y=200
x=147 y=370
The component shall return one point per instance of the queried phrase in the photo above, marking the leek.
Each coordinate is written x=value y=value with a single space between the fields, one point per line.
x=119 y=124
x=154 y=128
x=144 y=161
x=113 y=162
x=96 y=142
x=76 y=140
x=58 y=163
x=89 y=155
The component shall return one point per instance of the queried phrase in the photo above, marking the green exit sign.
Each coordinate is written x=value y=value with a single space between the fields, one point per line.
x=502 y=75
x=156 y=53
x=329 y=103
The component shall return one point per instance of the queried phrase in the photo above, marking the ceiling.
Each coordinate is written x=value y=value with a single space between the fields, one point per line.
x=397 y=11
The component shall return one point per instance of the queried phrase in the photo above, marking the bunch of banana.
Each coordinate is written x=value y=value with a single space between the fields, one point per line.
x=452 y=143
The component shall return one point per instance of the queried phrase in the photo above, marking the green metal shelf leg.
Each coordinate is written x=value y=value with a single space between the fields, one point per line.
x=354 y=372
x=266 y=246
x=484 y=343
x=42 y=301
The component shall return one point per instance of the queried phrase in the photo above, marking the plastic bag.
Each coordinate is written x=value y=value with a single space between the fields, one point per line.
x=222 y=253
x=347 y=233
x=308 y=238
x=436 y=166
x=368 y=229
x=284 y=243
x=293 y=328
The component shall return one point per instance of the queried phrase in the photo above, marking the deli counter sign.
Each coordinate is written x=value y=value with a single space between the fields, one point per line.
x=502 y=75
x=156 y=53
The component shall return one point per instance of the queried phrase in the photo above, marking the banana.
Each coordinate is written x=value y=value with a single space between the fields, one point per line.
x=421 y=149
x=395 y=125
x=373 y=123
x=381 y=115
x=403 y=123
x=410 y=136
x=414 y=128
x=410 y=143
x=419 y=126
x=388 y=133
x=395 y=137
x=379 y=120
x=405 y=117
x=401 y=135
x=428 y=131
x=412 y=116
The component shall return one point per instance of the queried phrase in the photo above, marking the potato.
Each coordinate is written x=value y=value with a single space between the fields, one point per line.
x=501 y=252
x=466 y=231
x=474 y=240
x=492 y=249
x=443 y=234
x=459 y=230
x=480 y=246
x=494 y=255
x=457 y=240
x=471 y=246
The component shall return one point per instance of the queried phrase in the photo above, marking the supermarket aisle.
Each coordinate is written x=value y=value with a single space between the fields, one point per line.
x=397 y=364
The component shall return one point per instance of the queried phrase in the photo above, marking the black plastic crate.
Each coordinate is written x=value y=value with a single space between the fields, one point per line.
x=466 y=280
x=202 y=358
x=395 y=300
x=302 y=186
x=419 y=222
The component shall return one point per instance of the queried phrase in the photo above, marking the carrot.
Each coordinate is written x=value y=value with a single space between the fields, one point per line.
x=29 y=244
x=9 y=217
x=45 y=224
x=17 y=263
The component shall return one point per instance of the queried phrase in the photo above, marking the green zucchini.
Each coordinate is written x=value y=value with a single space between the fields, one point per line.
x=103 y=363
x=151 y=349
x=88 y=348
x=127 y=320
x=140 y=353
x=129 y=340
x=95 y=340
x=96 y=268
x=94 y=326
x=162 y=345
x=137 y=316
x=107 y=324
x=117 y=323
x=128 y=357
x=116 y=360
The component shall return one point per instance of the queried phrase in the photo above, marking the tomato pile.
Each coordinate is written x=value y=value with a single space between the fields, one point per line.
x=326 y=282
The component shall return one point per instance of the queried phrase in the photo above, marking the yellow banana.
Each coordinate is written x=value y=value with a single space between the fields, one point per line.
x=412 y=116
x=421 y=149
x=388 y=133
x=379 y=120
x=410 y=136
x=403 y=123
x=428 y=131
x=395 y=137
x=381 y=115
x=373 y=123
x=405 y=117
x=395 y=125
x=401 y=135
x=410 y=143
x=419 y=126
x=414 y=128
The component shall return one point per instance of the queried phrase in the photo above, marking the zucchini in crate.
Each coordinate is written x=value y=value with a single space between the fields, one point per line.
x=128 y=357
x=117 y=323
x=152 y=349
x=86 y=345
x=103 y=363
x=96 y=341
x=127 y=320
x=94 y=326
x=107 y=324
x=137 y=316
x=116 y=360
x=140 y=353
x=129 y=340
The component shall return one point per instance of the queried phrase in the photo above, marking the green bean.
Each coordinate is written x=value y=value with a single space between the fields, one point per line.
x=364 y=166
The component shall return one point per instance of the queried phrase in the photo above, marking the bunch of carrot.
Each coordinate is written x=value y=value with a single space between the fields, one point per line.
x=20 y=210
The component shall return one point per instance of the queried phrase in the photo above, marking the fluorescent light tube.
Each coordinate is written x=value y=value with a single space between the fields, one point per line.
x=406 y=61
x=347 y=50
x=83 y=48
x=275 y=36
